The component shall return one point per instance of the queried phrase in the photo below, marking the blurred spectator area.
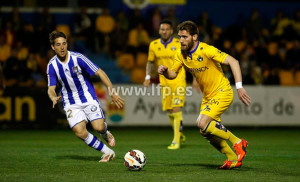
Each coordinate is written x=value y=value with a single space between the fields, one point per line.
x=263 y=35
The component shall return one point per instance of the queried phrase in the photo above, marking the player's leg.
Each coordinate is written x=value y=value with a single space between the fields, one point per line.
x=209 y=121
x=92 y=141
x=166 y=101
x=101 y=127
x=220 y=144
x=95 y=115
x=178 y=97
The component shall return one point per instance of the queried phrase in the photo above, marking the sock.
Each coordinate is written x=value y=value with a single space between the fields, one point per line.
x=93 y=142
x=221 y=145
x=177 y=126
x=217 y=129
x=171 y=117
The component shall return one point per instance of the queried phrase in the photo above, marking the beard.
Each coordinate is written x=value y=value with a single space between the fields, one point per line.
x=188 y=49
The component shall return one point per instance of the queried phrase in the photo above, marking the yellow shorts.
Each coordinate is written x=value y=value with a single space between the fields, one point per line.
x=173 y=96
x=217 y=105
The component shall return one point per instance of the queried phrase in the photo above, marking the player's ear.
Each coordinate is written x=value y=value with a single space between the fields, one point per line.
x=52 y=47
x=195 y=37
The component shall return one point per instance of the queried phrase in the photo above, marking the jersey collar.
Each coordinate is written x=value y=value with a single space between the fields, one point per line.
x=165 y=44
x=191 y=52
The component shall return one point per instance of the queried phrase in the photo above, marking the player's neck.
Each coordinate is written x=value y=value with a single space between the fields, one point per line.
x=63 y=59
x=165 y=41
x=194 y=46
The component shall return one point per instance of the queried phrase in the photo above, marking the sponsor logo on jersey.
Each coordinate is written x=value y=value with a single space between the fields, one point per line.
x=196 y=70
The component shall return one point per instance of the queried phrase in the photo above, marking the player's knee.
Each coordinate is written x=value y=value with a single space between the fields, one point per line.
x=201 y=124
x=176 y=109
x=205 y=135
x=82 y=134
x=170 y=111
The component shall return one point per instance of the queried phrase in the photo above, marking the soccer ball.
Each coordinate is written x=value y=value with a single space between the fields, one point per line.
x=135 y=160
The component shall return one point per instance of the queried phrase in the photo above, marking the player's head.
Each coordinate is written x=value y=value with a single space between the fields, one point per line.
x=58 y=41
x=165 y=30
x=188 y=34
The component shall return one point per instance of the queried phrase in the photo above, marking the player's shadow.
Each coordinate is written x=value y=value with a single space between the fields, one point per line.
x=79 y=157
x=211 y=166
x=208 y=166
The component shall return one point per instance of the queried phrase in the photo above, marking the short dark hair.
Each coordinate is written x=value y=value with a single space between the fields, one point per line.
x=54 y=35
x=188 y=26
x=166 y=22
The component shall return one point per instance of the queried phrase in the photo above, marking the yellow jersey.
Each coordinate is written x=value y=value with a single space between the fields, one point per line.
x=163 y=54
x=204 y=64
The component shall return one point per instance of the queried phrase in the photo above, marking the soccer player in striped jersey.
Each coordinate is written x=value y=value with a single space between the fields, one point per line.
x=203 y=61
x=161 y=52
x=72 y=71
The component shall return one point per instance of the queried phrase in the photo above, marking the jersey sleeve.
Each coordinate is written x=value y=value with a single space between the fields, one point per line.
x=177 y=64
x=151 y=54
x=215 y=54
x=90 y=67
x=51 y=75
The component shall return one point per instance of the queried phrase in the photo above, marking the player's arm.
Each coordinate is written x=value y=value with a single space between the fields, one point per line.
x=149 y=69
x=169 y=74
x=236 y=70
x=116 y=99
x=173 y=72
x=52 y=95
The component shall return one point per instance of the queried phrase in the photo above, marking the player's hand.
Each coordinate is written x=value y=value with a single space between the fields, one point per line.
x=244 y=97
x=55 y=100
x=117 y=100
x=162 y=69
x=147 y=83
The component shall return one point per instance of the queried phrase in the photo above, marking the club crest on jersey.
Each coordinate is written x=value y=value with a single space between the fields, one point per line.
x=93 y=108
x=173 y=48
x=200 y=58
x=75 y=69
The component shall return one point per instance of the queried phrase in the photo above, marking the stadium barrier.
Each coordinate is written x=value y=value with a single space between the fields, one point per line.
x=271 y=106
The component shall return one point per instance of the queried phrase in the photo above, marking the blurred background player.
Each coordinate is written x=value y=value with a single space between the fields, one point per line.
x=161 y=52
x=72 y=72
x=203 y=61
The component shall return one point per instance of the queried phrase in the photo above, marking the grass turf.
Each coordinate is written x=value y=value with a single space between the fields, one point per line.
x=273 y=155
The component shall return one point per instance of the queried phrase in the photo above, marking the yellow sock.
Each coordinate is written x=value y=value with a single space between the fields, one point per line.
x=176 y=128
x=217 y=129
x=171 y=117
x=221 y=145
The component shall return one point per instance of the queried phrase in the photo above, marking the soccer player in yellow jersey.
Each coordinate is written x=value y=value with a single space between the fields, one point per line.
x=161 y=52
x=203 y=61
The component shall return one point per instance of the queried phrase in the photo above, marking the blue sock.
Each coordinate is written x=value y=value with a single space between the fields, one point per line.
x=93 y=142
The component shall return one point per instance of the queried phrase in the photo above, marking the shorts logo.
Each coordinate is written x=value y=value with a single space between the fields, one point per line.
x=93 y=108
x=213 y=101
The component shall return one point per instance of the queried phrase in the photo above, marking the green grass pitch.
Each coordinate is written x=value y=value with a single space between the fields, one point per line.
x=57 y=155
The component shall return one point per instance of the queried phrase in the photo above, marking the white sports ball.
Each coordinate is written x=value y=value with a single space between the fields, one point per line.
x=135 y=160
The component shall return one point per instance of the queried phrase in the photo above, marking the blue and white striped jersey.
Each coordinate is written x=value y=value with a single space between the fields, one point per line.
x=74 y=78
